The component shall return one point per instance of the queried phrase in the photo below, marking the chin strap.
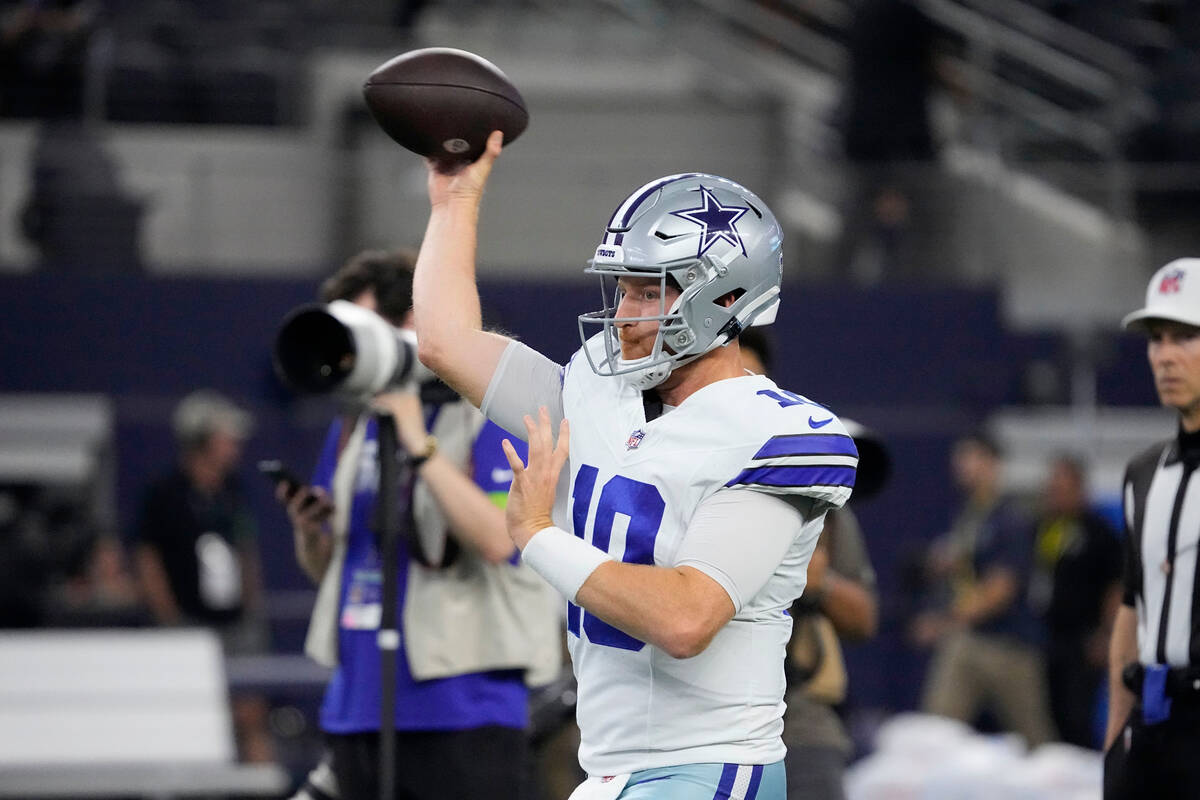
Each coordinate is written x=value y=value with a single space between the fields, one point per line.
x=646 y=377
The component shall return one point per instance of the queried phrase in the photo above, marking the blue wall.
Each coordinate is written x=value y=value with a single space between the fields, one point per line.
x=919 y=366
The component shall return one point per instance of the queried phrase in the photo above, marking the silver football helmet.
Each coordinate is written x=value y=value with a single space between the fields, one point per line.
x=712 y=238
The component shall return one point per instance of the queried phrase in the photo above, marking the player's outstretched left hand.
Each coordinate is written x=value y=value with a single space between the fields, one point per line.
x=531 y=496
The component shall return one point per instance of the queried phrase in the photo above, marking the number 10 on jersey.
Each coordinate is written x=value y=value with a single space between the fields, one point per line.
x=643 y=506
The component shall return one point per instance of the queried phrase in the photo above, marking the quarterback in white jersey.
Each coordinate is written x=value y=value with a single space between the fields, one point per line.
x=682 y=529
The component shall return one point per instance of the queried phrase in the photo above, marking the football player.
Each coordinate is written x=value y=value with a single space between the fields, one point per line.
x=682 y=529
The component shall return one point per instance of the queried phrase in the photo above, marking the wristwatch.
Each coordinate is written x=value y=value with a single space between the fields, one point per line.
x=431 y=447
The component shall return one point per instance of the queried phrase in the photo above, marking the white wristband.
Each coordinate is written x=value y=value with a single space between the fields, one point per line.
x=565 y=561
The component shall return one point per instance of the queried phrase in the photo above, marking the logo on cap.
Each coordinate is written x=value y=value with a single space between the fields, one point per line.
x=1172 y=282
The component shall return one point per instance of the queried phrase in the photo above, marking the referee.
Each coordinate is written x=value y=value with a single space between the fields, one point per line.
x=1153 y=735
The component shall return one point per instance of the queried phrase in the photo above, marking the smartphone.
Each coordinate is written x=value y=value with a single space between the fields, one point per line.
x=278 y=473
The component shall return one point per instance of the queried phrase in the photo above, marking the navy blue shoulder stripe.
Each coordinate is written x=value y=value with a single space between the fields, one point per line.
x=795 y=477
x=808 y=444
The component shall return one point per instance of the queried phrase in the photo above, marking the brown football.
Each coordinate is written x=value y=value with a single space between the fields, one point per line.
x=442 y=103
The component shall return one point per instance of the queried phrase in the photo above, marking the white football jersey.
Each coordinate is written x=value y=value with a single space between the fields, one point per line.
x=634 y=488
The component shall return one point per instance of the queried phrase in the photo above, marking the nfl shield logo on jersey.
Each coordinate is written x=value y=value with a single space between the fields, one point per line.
x=634 y=439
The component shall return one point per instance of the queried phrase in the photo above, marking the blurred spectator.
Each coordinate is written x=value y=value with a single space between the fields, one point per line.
x=100 y=591
x=44 y=57
x=885 y=114
x=1076 y=587
x=23 y=563
x=197 y=546
x=42 y=533
x=1168 y=200
x=78 y=215
x=889 y=212
x=987 y=639
x=839 y=602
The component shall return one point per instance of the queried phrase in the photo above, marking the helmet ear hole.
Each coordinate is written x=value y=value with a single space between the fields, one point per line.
x=729 y=298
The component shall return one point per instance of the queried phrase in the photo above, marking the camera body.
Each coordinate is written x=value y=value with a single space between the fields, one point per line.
x=345 y=348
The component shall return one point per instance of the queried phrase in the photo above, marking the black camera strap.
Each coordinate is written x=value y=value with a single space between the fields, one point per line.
x=435 y=395
x=386 y=521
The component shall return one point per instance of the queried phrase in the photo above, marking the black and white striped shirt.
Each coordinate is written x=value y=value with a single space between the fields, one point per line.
x=1162 y=519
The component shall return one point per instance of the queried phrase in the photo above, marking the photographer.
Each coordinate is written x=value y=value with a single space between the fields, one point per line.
x=476 y=626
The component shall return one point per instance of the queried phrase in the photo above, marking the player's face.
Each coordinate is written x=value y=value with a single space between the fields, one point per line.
x=641 y=297
x=1174 y=352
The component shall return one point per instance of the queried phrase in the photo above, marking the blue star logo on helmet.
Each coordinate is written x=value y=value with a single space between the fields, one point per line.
x=717 y=222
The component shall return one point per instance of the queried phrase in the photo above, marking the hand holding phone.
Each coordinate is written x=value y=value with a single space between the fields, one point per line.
x=279 y=474
x=314 y=503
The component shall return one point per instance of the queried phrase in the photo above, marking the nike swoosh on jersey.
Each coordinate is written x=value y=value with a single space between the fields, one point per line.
x=814 y=424
x=501 y=475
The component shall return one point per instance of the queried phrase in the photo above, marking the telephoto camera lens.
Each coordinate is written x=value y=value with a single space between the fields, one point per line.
x=345 y=348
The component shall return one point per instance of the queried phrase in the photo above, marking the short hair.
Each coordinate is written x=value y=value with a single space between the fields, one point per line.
x=389 y=273
x=205 y=412
x=1073 y=463
x=756 y=340
x=985 y=441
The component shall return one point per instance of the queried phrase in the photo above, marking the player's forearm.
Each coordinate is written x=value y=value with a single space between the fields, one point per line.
x=446 y=309
x=1122 y=650
x=678 y=610
x=475 y=521
x=445 y=297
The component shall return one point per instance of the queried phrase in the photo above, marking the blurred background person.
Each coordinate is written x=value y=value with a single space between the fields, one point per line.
x=47 y=543
x=477 y=626
x=196 y=547
x=44 y=52
x=839 y=602
x=78 y=213
x=1076 y=589
x=894 y=206
x=99 y=589
x=1154 y=656
x=987 y=640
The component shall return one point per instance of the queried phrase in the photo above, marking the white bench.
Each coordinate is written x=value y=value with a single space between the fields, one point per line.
x=120 y=713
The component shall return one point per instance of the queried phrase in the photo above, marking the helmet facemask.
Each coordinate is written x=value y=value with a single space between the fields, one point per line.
x=675 y=343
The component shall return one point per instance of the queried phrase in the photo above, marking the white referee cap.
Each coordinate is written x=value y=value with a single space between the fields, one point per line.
x=1173 y=294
